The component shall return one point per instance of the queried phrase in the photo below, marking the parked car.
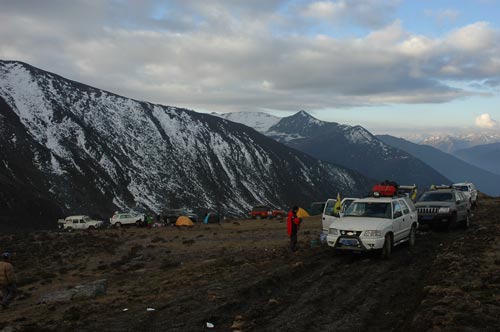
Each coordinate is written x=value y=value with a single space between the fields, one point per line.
x=81 y=222
x=375 y=223
x=469 y=191
x=122 y=219
x=443 y=207
x=316 y=208
x=170 y=215
x=329 y=215
x=264 y=211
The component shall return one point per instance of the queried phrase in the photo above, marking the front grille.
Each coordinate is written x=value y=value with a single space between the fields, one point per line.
x=428 y=210
x=350 y=233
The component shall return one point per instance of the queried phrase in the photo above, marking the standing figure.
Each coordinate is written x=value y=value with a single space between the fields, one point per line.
x=7 y=280
x=293 y=223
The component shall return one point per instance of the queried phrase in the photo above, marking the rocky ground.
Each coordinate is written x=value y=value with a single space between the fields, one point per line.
x=238 y=276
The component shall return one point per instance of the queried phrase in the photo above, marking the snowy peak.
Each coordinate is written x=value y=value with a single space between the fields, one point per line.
x=259 y=121
x=91 y=151
x=452 y=143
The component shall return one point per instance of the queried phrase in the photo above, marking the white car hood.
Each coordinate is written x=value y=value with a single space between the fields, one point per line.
x=360 y=223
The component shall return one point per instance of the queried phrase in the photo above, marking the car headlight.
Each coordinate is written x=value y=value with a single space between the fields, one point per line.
x=444 y=210
x=374 y=233
x=333 y=231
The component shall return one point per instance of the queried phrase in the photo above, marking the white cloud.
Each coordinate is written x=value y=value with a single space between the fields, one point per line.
x=217 y=56
x=485 y=121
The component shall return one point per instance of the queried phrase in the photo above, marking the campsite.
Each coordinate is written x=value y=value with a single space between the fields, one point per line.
x=238 y=276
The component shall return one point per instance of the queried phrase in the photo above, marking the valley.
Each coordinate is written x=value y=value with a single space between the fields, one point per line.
x=240 y=275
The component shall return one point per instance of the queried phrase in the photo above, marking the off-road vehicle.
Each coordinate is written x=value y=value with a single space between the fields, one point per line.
x=122 y=219
x=469 y=191
x=442 y=207
x=375 y=223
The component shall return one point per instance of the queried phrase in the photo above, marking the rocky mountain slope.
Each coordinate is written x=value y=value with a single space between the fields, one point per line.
x=353 y=147
x=84 y=150
x=456 y=169
x=486 y=156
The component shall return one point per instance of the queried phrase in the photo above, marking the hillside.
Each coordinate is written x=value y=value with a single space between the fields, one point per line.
x=353 y=147
x=85 y=150
x=454 y=168
x=486 y=156
x=239 y=274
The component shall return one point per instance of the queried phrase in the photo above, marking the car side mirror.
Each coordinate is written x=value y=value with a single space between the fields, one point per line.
x=397 y=214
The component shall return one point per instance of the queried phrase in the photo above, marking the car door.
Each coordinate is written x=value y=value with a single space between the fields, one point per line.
x=397 y=219
x=462 y=206
x=328 y=214
x=407 y=218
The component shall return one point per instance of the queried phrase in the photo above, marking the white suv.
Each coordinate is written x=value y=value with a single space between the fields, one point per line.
x=121 y=219
x=375 y=223
x=80 y=222
x=469 y=191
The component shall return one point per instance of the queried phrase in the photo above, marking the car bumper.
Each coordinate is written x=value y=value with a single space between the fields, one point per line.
x=435 y=219
x=354 y=243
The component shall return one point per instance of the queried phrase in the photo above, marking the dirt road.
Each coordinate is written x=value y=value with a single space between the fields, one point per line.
x=239 y=276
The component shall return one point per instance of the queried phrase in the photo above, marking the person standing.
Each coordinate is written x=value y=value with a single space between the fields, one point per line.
x=7 y=280
x=293 y=223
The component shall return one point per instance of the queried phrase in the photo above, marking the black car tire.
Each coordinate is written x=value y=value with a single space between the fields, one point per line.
x=412 y=238
x=386 y=251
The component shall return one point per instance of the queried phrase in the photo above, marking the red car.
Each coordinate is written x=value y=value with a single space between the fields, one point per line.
x=264 y=211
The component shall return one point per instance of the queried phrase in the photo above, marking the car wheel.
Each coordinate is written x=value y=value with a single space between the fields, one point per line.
x=466 y=222
x=412 y=238
x=138 y=223
x=69 y=229
x=387 y=249
x=91 y=227
x=118 y=225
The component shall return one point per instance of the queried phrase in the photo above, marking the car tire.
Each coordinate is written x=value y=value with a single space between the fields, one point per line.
x=91 y=227
x=466 y=222
x=69 y=229
x=138 y=223
x=412 y=237
x=386 y=251
x=118 y=225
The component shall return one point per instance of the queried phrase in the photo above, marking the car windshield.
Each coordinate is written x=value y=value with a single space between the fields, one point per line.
x=369 y=209
x=461 y=188
x=436 y=197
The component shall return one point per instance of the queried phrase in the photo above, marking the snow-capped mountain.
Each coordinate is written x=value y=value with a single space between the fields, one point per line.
x=259 y=121
x=86 y=150
x=353 y=147
x=452 y=143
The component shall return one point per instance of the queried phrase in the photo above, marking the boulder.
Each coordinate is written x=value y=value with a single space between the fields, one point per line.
x=87 y=290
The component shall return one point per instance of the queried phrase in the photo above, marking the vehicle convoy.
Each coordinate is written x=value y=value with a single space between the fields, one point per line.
x=329 y=214
x=81 y=222
x=375 y=223
x=122 y=219
x=442 y=207
x=264 y=211
x=469 y=191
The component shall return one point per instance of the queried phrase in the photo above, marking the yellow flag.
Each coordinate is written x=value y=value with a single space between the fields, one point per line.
x=338 y=204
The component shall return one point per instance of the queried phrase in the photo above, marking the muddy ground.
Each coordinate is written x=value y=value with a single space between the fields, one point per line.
x=239 y=276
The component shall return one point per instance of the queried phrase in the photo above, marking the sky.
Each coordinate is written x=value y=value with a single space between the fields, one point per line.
x=393 y=66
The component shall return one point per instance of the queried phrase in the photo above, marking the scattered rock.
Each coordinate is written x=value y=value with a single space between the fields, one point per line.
x=89 y=290
x=273 y=302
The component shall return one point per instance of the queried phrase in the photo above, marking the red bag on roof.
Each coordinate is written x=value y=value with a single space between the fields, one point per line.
x=386 y=188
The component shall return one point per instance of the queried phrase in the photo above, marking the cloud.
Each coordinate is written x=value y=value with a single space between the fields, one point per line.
x=443 y=16
x=486 y=122
x=221 y=56
x=367 y=13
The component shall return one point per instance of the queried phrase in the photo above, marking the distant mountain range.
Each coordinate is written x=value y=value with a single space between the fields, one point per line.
x=454 y=168
x=351 y=146
x=485 y=156
x=452 y=143
x=68 y=148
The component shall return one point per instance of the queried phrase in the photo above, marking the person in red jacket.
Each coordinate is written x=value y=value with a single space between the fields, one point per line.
x=293 y=223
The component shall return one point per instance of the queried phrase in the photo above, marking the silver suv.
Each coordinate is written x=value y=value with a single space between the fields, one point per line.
x=443 y=207
x=469 y=191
